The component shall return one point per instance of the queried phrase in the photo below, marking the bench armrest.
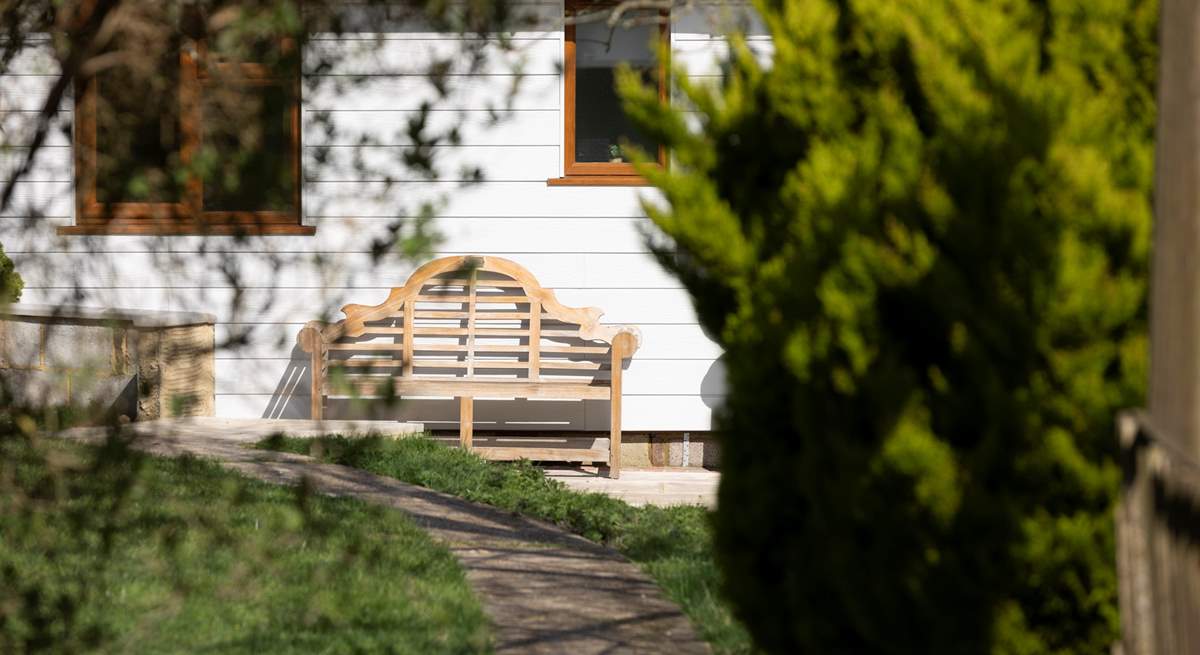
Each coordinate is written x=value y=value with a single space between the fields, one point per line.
x=631 y=339
x=311 y=336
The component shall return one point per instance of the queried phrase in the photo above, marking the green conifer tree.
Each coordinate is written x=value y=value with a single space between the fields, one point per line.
x=921 y=235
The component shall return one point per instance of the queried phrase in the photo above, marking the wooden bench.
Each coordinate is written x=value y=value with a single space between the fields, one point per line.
x=468 y=327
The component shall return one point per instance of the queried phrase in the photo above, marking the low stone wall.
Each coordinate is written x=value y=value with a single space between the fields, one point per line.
x=673 y=449
x=139 y=364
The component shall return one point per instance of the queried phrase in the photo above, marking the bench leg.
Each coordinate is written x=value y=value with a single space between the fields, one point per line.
x=466 y=419
x=614 y=439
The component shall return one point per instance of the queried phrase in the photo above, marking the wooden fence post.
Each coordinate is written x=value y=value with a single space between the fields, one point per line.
x=1158 y=541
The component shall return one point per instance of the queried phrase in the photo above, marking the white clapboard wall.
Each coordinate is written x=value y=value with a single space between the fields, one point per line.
x=588 y=243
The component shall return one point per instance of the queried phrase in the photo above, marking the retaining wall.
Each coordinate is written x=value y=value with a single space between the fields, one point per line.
x=140 y=364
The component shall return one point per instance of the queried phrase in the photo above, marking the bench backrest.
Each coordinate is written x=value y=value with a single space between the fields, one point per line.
x=483 y=318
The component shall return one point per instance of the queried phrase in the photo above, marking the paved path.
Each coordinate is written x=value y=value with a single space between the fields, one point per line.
x=546 y=590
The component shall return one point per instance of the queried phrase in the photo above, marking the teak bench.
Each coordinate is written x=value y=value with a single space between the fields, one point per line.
x=469 y=327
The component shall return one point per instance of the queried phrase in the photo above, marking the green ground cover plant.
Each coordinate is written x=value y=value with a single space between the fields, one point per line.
x=106 y=550
x=673 y=545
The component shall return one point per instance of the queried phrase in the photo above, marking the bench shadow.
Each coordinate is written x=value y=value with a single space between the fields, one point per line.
x=291 y=399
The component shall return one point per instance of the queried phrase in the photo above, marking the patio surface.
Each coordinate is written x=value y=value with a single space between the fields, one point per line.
x=636 y=486
x=648 y=486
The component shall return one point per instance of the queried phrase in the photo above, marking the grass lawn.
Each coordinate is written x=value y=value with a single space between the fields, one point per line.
x=673 y=545
x=107 y=550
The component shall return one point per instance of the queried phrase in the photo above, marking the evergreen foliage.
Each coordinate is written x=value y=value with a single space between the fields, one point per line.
x=921 y=235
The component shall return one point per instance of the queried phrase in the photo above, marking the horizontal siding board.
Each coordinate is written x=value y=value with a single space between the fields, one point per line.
x=534 y=127
x=397 y=21
x=418 y=56
x=17 y=129
x=50 y=164
x=659 y=413
x=700 y=21
x=291 y=272
x=632 y=306
x=249 y=341
x=716 y=21
x=393 y=92
x=707 y=58
x=377 y=163
x=34 y=200
x=504 y=163
x=510 y=163
x=516 y=237
x=35 y=58
x=499 y=199
x=280 y=306
x=123 y=298
x=641 y=377
x=27 y=92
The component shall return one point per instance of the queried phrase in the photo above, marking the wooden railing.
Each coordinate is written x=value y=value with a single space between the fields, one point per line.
x=1158 y=542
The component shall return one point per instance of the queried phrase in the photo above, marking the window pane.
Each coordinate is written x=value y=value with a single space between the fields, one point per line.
x=246 y=149
x=137 y=132
x=600 y=124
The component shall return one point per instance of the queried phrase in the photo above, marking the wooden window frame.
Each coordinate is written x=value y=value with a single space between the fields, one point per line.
x=599 y=173
x=187 y=217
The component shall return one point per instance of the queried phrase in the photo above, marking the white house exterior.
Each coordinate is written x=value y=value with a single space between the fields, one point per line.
x=583 y=241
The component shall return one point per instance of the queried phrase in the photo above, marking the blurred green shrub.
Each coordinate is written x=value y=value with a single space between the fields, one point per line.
x=11 y=283
x=921 y=235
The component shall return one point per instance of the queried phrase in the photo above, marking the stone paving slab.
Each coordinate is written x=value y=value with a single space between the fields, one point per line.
x=546 y=590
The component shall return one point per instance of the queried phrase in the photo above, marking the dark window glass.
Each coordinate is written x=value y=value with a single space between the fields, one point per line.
x=138 y=132
x=246 y=149
x=600 y=123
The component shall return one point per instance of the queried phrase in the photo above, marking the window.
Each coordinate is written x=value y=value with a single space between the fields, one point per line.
x=596 y=126
x=197 y=140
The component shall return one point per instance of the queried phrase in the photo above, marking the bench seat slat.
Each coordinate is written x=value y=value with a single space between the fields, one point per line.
x=456 y=348
x=383 y=330
x=433 y=363
x=479 y=363
x=516 y=388
x=562 y=365
x=479 y=332
x=482 y=348
x=462 y=332
x=511 y=453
